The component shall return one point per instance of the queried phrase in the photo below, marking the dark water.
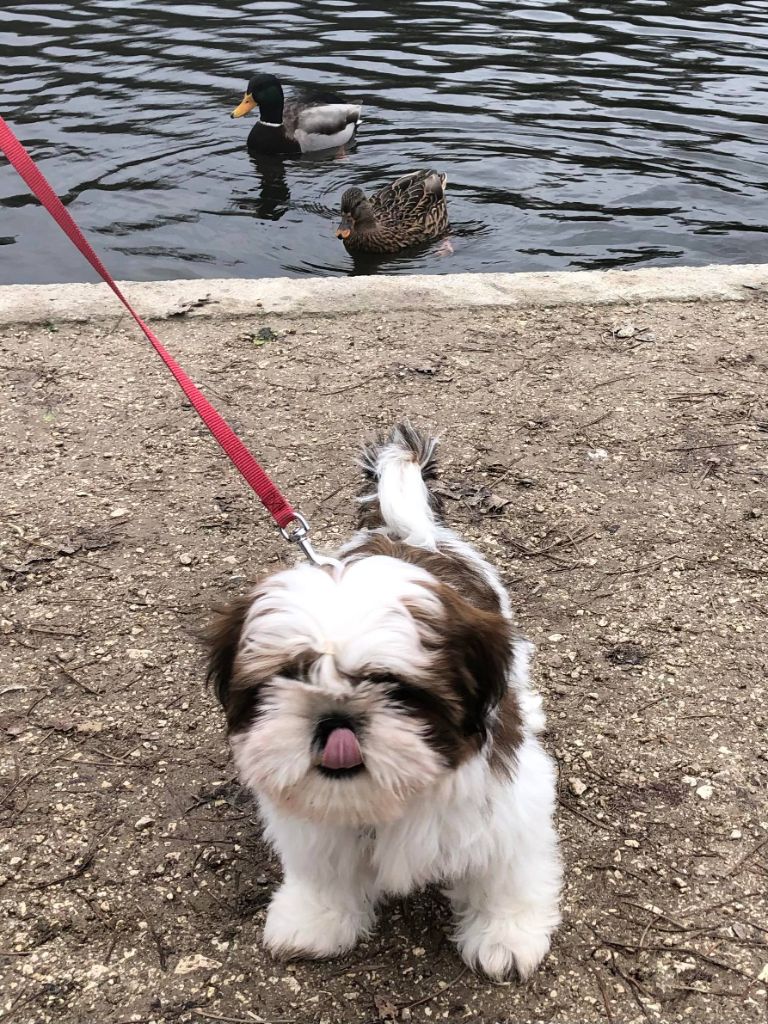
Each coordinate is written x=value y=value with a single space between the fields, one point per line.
x=623 y=133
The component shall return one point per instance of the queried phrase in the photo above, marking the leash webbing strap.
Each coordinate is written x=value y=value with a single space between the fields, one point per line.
x=275 y=503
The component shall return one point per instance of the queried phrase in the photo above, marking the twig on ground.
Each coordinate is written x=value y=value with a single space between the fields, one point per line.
x=621 y=868
x=84 y=862
x=438 y=992
x=640 y=568
x=714 y=444
x=583 y=814
x=162 y=949
x=611 y=380
x=604 y=994
x=747 y=856
x=684 y=950
x=356 y=384
x=594 y=422
x=198 y=1012
x=73 y=678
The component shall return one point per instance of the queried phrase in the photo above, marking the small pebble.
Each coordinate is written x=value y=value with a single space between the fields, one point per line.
x=195 y=962
x=625 y=331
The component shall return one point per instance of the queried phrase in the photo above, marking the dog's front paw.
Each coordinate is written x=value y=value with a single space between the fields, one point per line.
x=301 y=922
x=503 y=946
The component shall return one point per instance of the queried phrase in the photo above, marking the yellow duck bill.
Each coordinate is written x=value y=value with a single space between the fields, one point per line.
x=245 y=107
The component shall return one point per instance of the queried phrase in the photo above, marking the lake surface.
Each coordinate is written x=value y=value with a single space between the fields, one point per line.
x=575 y=135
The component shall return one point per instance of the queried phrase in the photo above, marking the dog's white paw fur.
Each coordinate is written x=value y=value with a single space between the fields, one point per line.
x=300 y=922
x=502 y=947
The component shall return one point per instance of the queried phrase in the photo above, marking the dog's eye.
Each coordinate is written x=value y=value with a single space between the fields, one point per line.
x=414 y=698
x=384 y=678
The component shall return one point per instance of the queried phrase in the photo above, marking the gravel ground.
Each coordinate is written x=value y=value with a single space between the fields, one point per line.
x=612 y=461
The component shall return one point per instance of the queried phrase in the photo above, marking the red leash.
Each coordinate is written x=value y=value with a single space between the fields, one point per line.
x=275 y=503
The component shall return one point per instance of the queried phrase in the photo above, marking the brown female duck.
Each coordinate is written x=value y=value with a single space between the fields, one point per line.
x=408 y=212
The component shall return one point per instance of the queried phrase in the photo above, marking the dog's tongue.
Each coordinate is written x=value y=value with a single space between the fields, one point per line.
x=342 y=750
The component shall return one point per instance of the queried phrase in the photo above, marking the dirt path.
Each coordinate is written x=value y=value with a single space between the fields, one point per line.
x=612 y=461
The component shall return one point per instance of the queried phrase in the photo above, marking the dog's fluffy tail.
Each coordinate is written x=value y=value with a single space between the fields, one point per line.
x=399 y=468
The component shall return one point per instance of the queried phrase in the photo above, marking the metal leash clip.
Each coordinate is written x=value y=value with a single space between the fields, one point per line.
x=299 y=534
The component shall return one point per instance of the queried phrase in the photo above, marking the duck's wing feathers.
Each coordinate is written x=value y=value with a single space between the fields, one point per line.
x=322 y=121
x=327 y=118
x=319 y=113
x=412 y=197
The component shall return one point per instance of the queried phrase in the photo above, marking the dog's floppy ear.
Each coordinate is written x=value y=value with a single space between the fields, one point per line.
x=487 y=656
x=480 y=648
x=223 y=639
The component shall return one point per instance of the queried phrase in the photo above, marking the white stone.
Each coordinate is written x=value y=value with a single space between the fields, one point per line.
x=195 y=962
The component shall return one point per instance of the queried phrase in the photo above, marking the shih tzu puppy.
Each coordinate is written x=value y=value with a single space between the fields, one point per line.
x=380 y=711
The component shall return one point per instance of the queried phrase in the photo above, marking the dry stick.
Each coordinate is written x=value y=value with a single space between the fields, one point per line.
x=29 y=777
x=724 y=993
x=112 y=948
x=353 y=969
x=583 y=814
x=689 y=396
x=604 y=994
x=434 y=995
x=685 y=950
x=357 y=384
x=634 y=989
x=746 y=857
x=19 y=1003
x=593 y=423
x=162 y=949
x=570 y=542
x=613 y=380
x=73 y=679
x=622 y=869
x=714 y=444
x=642 y=568
x=648 y=927
x=659 y=914
x=83 y=864
x=242 y=1020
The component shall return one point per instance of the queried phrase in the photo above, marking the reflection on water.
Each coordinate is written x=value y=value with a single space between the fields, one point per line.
x=274 y=195
x=574 y=134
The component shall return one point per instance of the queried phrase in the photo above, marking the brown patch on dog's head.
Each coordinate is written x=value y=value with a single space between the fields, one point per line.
x=444 y=565
x=472 y=651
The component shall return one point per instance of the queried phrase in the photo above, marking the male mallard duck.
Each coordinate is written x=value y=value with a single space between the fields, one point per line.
x=408 y=212
x=305 y=123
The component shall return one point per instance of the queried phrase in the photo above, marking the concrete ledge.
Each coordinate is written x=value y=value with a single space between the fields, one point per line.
x=329 y=295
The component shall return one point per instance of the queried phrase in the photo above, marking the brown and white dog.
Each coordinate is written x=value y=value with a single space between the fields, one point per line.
x=380 y=712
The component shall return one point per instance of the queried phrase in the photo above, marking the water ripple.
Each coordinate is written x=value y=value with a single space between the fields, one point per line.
x=574 y=134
